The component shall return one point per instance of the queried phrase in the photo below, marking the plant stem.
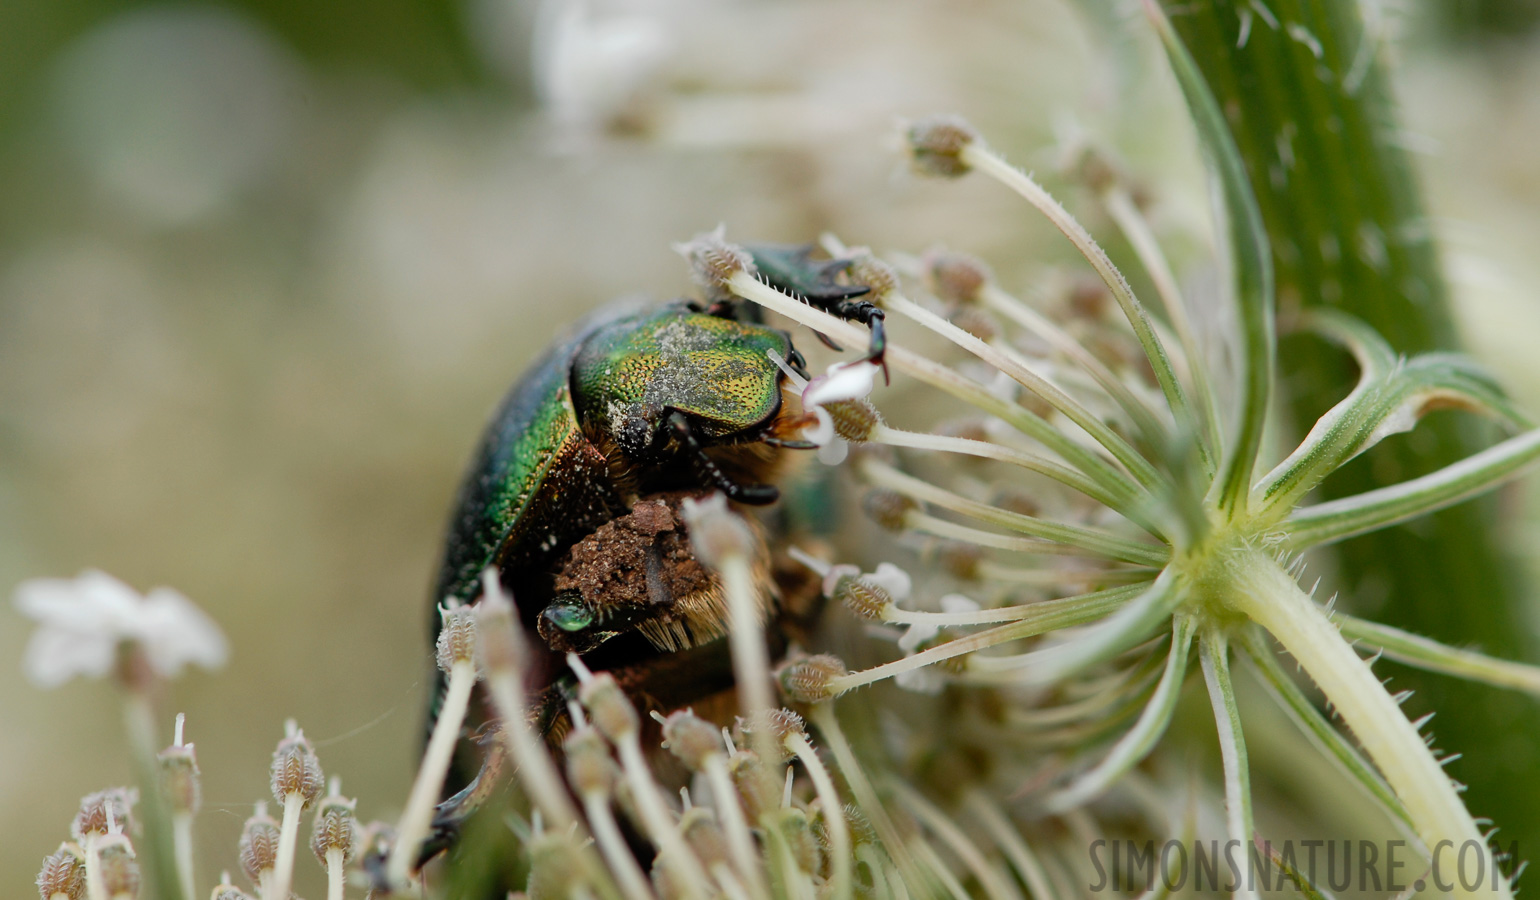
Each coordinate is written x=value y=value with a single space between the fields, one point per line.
x=1271 y=598
x=418 y=815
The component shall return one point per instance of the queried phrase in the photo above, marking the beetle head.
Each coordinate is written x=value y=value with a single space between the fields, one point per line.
x=631 y=376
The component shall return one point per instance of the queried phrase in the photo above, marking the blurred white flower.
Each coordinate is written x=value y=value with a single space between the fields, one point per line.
x=590 y=68
x=82 y=621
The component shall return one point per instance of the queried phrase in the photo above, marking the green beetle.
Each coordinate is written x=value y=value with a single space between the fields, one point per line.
x=582 y=470
x=658 y=400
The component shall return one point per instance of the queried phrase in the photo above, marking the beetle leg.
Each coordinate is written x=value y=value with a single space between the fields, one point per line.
x=751 y=494
x=828 y=343
x=868 y=314
x=788 y=443
x=797 y=363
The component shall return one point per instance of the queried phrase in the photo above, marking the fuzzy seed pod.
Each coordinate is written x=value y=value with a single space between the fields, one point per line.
x=99 y=811
x=780 y=723
x=888 y=509
x=867 y=269
x=63 y=875
x=608 y=707
x=296 y=770
x=119 y=868
x=456 y=637
x=713 y=261
x=807 y=679
x=936 y=145
x=590 y=768
x=756 y=789
x=716 y=532
x=691 y=738
x=854 y=420
x=259 y=845
x=498 y=639
x=179 y=779
x=864 y=598
x=335 y=829
x=956 y=278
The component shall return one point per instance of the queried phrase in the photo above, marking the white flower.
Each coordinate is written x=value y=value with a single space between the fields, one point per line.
x=842 y=381
x=81 y=623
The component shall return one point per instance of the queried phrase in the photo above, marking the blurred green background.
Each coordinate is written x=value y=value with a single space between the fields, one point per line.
x=265 y=267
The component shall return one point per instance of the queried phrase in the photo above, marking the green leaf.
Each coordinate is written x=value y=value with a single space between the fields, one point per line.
x=1309 y=105
x=1373 y=510
x=1382 y=404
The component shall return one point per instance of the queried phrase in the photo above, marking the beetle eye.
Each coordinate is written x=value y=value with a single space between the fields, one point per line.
x=569 y=615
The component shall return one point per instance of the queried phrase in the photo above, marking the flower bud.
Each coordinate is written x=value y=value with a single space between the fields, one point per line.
x=691 y=738
x=295 y=769
x=807 y=679
x=794 y=828
x=63 y=875
x=961 y=560
x=976 y=322
x=556 y=869
x=936 y=145
x=456 y=636
x=227 y=891
x=259 y=844
x=703 y=834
